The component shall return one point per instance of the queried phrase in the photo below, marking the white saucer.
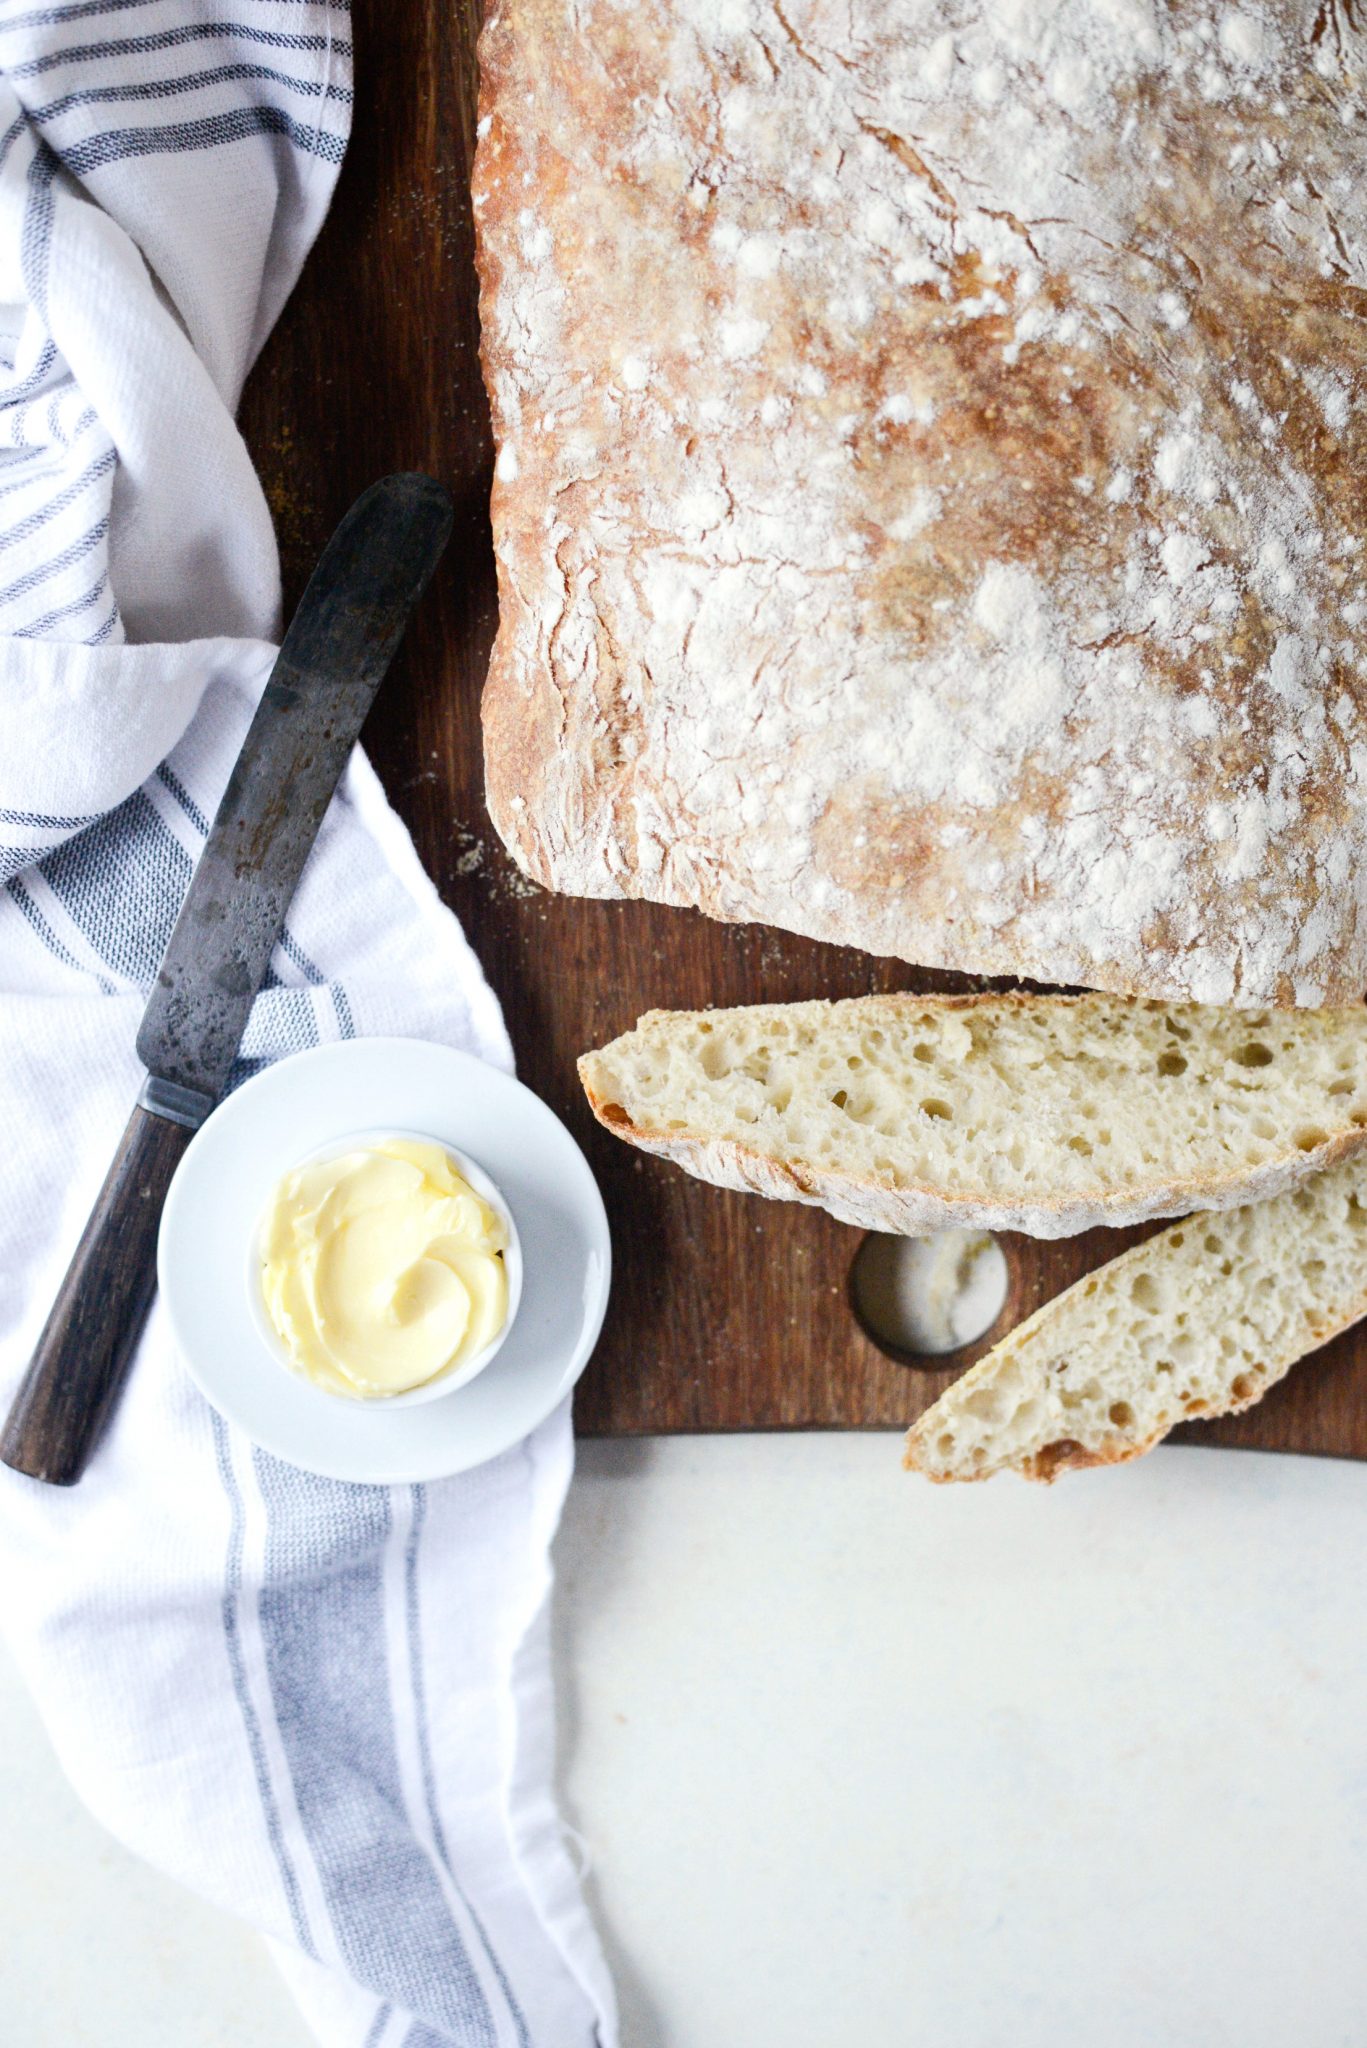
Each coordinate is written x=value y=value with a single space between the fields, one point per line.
x=296 y=1107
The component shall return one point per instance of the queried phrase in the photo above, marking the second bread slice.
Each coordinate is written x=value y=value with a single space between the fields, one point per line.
x=1200 y=1320
x=1046 y=1114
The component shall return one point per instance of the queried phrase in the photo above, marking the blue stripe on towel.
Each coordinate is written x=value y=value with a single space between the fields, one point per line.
x=314 y=975
x=212 y=132
x=40 y=821
x=14 y=859
x=28 y=909
x=33 y=629
x=75 y=10
x=85 y=10
x=172 y=38
x=33 y=521
x=12 y=134
x=323 y=1626
x=294 y=952
x=190 y=81
x=102 y=631
x=126 y=925
x=168 y=778
x=31 y=474
x=35 y=241
x=285 y=1018
x=418 y=1683
x=74 y=552
x=232 y=1597
x=377 y=2026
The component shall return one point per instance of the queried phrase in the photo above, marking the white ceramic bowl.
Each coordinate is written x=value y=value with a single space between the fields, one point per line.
x=442 y=1382
x=315 y=1102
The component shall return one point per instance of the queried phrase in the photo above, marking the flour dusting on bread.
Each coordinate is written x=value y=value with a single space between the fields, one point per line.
x=931 y=475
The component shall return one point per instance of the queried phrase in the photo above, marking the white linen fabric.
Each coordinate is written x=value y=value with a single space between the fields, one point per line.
x=325 y=1706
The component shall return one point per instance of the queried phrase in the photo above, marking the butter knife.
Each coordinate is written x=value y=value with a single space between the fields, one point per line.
x=331 y=662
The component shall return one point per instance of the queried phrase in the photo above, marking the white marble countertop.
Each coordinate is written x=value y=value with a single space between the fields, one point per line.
x=858 y=1761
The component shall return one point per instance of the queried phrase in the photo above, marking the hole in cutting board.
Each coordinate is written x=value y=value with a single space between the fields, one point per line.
x=920 y=1298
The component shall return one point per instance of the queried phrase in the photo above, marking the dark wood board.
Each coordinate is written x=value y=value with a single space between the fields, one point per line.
x=728 y=1312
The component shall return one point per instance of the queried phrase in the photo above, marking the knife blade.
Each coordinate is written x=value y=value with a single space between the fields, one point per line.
x=333 y=657
x=339 y=644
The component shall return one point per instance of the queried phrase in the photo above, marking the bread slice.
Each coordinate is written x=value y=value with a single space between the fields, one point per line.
x=1046 y=1114
x=1200 y=1320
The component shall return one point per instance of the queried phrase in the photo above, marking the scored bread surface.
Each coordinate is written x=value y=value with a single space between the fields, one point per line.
x=1047 y=1114
x=932 y=473
x=1201 y=1320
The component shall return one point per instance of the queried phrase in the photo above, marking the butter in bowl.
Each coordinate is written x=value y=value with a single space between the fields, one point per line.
x=388 y=1270
x=384 y=1260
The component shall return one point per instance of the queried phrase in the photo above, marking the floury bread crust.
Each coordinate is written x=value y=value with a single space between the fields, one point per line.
x=932 y=475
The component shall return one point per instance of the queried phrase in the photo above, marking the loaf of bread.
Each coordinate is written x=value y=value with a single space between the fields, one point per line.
x=1047 y=1114
x=932 y=475
x=1200 y=1320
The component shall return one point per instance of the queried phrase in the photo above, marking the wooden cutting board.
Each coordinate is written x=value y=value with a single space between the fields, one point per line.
x=728 y=1312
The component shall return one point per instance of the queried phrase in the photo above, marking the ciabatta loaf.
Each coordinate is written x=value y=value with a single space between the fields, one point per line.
x=1047 y=1114
x=930 y=489
x=1200 y=1320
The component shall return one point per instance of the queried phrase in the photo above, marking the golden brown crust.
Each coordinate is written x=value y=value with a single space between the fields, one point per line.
x=1044 y=1467
x=920 y=522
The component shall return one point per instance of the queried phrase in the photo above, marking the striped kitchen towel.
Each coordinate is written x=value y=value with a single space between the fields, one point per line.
x=325 y=1706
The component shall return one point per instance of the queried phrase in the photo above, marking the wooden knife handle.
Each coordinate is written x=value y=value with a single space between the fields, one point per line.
x=87 y=1344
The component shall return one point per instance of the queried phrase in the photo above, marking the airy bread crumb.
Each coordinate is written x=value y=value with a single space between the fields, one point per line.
x=1200 y=1320
x=1044 y=1114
